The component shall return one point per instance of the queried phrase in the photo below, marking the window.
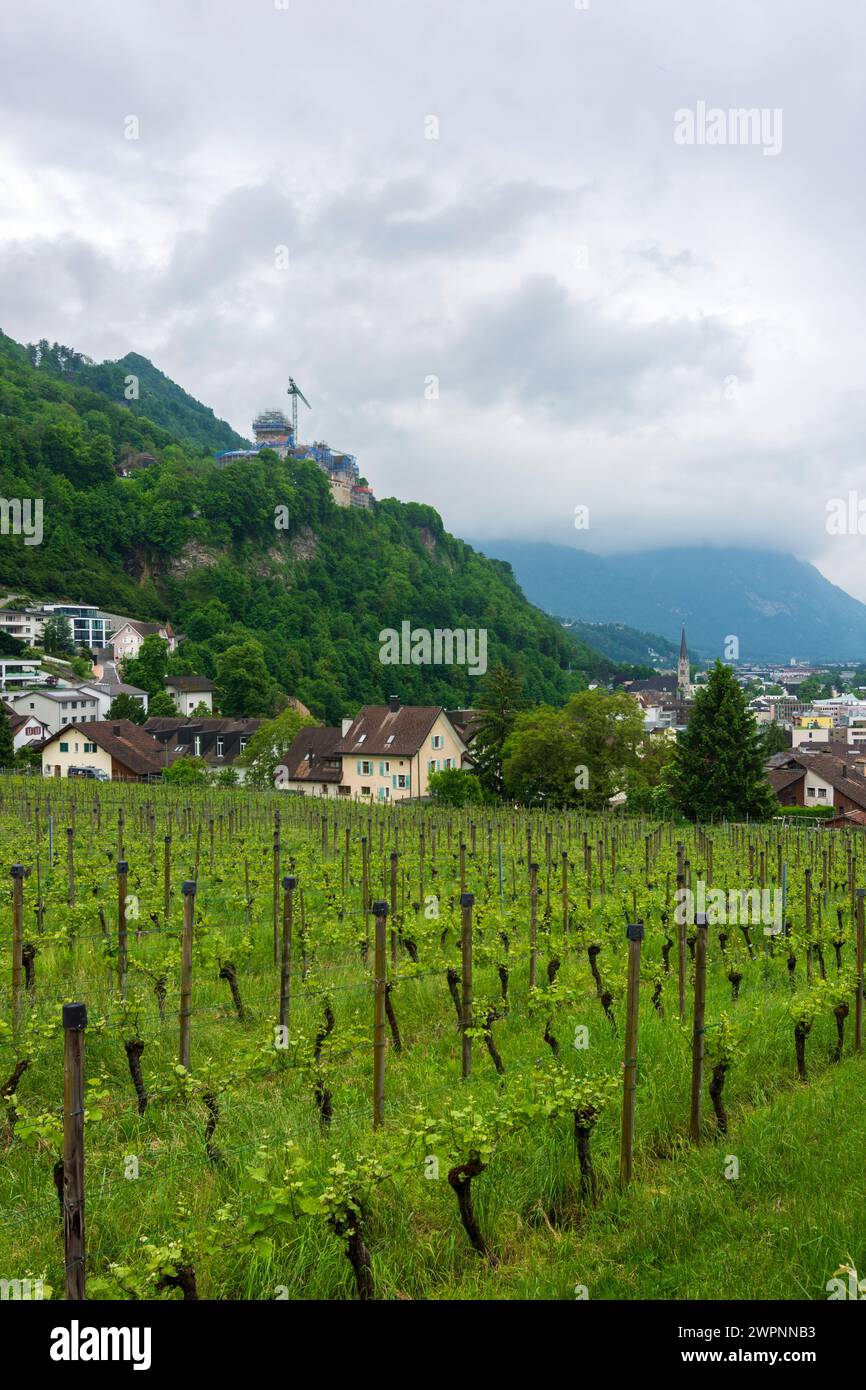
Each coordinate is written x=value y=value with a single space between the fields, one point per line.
x=365 y=791
x=365 y=769
x=401 y=781
x=360 y=741
x=822 y=791
x=449 y=762
x=389 y=740
x=220 y=747
x=64 y=747
x=431 y=764
x=90 y=747
x=197 y=745
x=810 y=791
x=437 y=741
x=384 y=769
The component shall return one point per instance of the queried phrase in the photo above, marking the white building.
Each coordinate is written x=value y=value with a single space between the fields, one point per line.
x=56 y=708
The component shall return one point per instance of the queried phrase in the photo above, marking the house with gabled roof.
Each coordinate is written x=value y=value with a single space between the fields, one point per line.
x=310 y=765
x=388 y=751
x=116 y=747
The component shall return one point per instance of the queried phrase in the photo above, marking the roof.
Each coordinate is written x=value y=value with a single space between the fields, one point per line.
x=124 y=741
x=176 y=736
x=144 y=629
x=407 y=727
x=855 y=817
x=838 y=772
x=312 y=755
x=188 y=683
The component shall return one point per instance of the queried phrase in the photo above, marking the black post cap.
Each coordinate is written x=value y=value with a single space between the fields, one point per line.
x=289 y=881
x=17 y=871
x=189 y=886
x=123 y=866
x=467 y=899
x=380 y=908
x=861 y=892
x=634 y=931
x=74 y=1017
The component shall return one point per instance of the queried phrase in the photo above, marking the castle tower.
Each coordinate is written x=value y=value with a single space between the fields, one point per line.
x=684 y=688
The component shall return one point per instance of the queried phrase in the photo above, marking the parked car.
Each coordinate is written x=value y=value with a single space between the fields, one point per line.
x=94 y=772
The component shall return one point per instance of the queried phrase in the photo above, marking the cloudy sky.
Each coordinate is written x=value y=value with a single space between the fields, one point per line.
x=512 y=287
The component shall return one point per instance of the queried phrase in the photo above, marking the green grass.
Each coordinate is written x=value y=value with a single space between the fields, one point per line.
x=682 y=1230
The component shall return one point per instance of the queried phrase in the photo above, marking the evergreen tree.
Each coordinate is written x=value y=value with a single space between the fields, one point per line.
x=7 y=746
x=500 y=700
x=718 y=764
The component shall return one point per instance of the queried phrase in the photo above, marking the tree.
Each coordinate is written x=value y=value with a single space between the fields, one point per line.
x=500 y=701
x=147 y=670
x=57 y=636
x=718 y=764
x=268 y=745
x=161 y=706
x=813 y=688
x=583 y=753
x=7 y=743
x=81 y=667
x=202 y=711
x=245 y=686
x=775 y=738
x=187 y=771
x=127 y=707
x=454 y=786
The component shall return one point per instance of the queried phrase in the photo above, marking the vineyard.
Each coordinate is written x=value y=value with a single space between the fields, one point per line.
x=333 y=1052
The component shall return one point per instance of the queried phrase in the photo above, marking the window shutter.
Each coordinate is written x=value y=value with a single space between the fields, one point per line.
x=358 y=766
x=394 y=781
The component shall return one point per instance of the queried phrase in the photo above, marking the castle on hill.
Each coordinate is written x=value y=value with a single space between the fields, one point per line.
x=272 y=429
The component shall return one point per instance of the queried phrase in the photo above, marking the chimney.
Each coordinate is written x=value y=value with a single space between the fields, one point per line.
x=394 y=704
x=345 y=726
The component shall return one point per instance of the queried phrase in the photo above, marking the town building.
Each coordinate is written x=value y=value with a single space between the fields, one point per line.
x=815 y=777
x=311 y=766
x=57 y=707
x=188 y=692
x=219 y=742
x=117 y=748
x=130 y=634
x=385 y=754
x=89 y=627
x=26 y=729
x=15 y=673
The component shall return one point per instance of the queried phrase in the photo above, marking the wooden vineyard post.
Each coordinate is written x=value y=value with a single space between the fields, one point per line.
x=533 y=925
x=467 y=901
x=74 y=1024
x=698 y=1031
x=365 y=890
x=70 y=865
x=122 y=871
x=17 y=873
x=289 y=883
x=188 y=890
x=680 y=916
x=565 y=892
x=380 y=914
x=629 y=1078
x=276 y=909
x=166 y=882
x=858 y=1005
x=394 y=859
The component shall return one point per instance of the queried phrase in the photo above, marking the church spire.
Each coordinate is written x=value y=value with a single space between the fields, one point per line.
x=684 y=688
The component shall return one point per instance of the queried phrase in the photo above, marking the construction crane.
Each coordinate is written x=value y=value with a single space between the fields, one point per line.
x=295 y=391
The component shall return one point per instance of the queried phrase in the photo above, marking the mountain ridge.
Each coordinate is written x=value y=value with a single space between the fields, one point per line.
x=777 y=606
